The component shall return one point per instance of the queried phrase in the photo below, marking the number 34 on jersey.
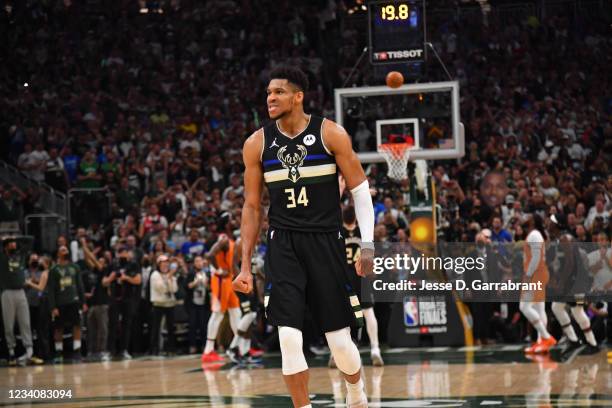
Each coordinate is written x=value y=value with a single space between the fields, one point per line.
x=302 y=197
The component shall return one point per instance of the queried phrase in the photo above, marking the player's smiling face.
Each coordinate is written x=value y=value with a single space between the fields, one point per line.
x=282 y=97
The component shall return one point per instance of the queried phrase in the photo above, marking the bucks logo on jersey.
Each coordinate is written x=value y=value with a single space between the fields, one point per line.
x=292 y=161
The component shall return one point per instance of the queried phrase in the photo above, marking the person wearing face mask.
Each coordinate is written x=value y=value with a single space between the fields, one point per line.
x=197 y=294
x=66 y=298
x=37 y=275
x=163 y=288
x=481 y=311
x=125 y=280
x=14 y=302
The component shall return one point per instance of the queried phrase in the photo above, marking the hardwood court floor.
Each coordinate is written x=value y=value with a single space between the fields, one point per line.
x=435 y=377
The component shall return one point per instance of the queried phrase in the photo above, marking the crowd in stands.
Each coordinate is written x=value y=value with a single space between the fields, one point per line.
x=155 y=109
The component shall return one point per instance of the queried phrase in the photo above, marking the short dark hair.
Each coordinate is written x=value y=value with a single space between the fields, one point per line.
x=293 y=75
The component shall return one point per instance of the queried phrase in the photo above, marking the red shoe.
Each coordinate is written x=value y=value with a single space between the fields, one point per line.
x=545 y=344
x=211 y=357
x=253 y=352
x=532 y=349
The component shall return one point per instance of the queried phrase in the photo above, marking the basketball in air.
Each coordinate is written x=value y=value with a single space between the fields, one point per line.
x=395 y=79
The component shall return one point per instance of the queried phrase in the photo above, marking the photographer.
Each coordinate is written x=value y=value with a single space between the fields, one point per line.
x=37 y=276
x=14 y=302
x=163 y=288
x=125 y=281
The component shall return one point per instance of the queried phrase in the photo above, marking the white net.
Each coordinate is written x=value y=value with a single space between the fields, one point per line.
x=397 y=156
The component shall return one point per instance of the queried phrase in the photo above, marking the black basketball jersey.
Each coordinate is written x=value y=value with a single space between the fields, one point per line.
x=302 y=179
x=352 y=240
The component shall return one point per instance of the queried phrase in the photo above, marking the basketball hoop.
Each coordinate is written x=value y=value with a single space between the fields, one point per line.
x=397 y=156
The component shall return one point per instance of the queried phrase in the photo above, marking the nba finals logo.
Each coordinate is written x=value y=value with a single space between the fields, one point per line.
x=411 y=311
x=292 y=161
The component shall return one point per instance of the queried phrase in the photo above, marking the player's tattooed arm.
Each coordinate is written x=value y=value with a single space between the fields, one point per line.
x=251 y=211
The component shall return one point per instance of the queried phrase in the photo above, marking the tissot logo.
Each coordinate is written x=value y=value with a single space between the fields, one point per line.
x=402 y=54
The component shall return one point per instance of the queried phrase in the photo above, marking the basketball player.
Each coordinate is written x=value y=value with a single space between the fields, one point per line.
x=352 y=239
x=240 y=348
x=223 y=297
x=572 y=278
x=297 y=155
x=532 y=302
x=571 y=268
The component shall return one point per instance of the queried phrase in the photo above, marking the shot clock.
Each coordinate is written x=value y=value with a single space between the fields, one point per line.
x=396 y=31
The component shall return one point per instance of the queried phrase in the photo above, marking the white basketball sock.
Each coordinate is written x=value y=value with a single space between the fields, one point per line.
x=585 y=324
x=560 y=313
x=534 y=318
x=244 y=345
x=371 y=327
x=212 y=330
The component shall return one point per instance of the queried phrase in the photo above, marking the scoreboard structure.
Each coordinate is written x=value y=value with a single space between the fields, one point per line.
x=397 y=31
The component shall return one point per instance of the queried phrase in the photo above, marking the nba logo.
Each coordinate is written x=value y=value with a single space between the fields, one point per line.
x=411 y=311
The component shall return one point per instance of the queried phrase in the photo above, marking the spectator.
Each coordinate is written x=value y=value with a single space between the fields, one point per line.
x=152 y=223
x=197 y=299
x=88 y=173
x=193 y=247
x=163 y=297
x=27 y=161
x=71 y=163
x=55 y=174
x=127 y=196
x=600 y=264
x=125 y=280
x=11 y=208
x=14 y=302
x=37 y=276
x=598 y=210
x=499 y=234
x=96 y=292
x=39 y=159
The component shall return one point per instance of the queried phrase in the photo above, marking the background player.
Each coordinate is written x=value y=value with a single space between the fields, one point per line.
x=352 y=239
x=296 y=155
x=532 y=303
x=223 y=297
x=249 y=303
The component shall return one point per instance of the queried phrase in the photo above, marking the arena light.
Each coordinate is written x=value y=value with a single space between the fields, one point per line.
x=421 y=230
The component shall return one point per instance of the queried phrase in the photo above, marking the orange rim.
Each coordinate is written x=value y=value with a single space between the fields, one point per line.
x=396 y=149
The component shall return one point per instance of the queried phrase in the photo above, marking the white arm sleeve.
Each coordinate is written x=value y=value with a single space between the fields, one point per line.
x=364 y=210
x=535 y=258
x=535 y=240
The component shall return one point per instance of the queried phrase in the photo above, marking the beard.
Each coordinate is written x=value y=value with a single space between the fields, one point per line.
x=279 y=115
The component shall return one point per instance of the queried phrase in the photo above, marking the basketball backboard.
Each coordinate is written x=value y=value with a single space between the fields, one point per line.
x=426 y=113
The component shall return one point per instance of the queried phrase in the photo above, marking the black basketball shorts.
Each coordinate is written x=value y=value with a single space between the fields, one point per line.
x=309 y=270
x=68 y=316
